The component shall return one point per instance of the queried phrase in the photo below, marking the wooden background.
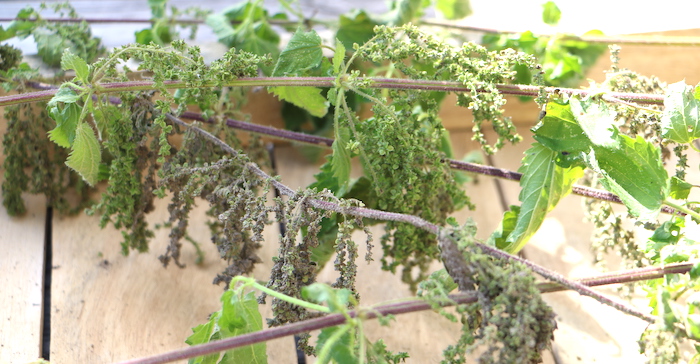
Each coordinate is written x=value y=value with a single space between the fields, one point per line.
x=105 y=307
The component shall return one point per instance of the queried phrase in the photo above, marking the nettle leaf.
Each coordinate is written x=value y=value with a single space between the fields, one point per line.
x=551 y=13
x=308 y=98
x=201 y=335
x=681 y=118
x=680 y=189
x=635 y=173
x=341 y=351
x=560 y=131
x=252 y=33
x=239 y=315
x=338 y=56
x=403 y=11
x=544 y=183
x=357 y=27
x=70 y=61
x=507 y=225
x=85 y=154
x=585 y=131
x=597 y=120
x=340 y=161
x=336 y=299
x=64 y=94
x=303 y=52
x=454 y=9
x=67 y=118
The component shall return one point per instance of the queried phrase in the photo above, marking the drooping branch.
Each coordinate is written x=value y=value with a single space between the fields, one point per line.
x=405 y=306
x=420 y=223
x=455 y=164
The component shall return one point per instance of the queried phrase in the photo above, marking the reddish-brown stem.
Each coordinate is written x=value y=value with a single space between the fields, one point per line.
x=420 y=223
x=391 y=309
x=455 y=164
x=382 y=83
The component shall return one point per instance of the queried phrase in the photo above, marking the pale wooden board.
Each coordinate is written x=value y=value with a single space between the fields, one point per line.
x=587 y=330
x=107 y=307
x=669 y=63
x=21 y=277
x=22 y=282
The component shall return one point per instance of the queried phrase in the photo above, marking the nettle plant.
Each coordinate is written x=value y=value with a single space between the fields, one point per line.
x=108 y=124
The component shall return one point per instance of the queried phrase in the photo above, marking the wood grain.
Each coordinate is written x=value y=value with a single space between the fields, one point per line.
x=107 y=307
x=22 y=282
x=21 y=277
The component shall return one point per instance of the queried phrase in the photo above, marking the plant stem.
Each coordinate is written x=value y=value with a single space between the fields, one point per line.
x=383 y=83
x=396 y=308
x=454 y=164
x=251 y=282
x=420 y=223
x=684 y=209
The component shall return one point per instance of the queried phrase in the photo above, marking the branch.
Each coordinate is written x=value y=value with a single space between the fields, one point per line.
x=420 y=223
x=405 y=306
x=323 y=141
x=380 y=83
x=455 y=164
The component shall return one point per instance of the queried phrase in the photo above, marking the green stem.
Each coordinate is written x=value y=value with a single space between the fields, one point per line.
x=250 y=282
x=682 y=208
x=323 y=356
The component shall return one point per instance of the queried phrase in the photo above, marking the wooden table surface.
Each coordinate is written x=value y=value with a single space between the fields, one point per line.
x=105 y=307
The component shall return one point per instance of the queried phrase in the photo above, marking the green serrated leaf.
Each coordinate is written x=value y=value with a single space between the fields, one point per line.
x=336 y=299
x=341 y=351
x=635 y=173
x=543 y=185
x=338 y=57
x=550 y=13
x=252 y=33
x=67 y=118
x=454 y=9
x=240 y=315
x=307 y=98
x=680 y=189
x=499 y=237
x=681 y=118
x=403 y=11
x=202 y=335
x=85 y=154
x=357 y=27
x=302 y=53
x=560 y=131
x=340 y=162
x=65 y=95
x=597 y=120
x=70 y=61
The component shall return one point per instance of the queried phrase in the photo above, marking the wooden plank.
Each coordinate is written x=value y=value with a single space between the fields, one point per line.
x=107 y=307
x=22 y=282
x=22 y=277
